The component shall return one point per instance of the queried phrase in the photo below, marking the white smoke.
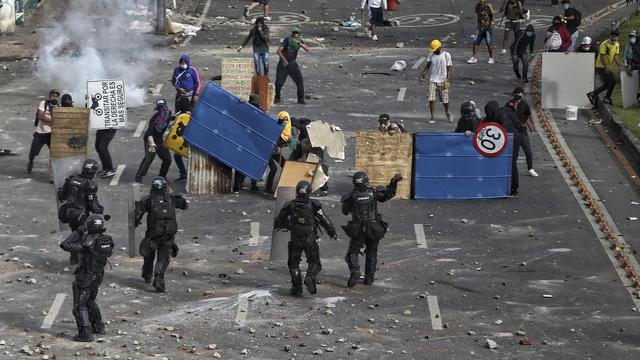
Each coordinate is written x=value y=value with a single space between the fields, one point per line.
x=93 y=42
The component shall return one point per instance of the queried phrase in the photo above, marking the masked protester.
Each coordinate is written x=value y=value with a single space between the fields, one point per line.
x=66 y=101
x=153 y=139
x=366 y=227
x=469 y=121
x=93 y=248
x=277 y=158
x=520 y=49
x=260 y=35
x=303 y=217
x=607 y=55
x=631 y=57
x=573 y=17
x=523 y=111
x=43 y=121
x=186 y=81
x=585 y=46
x=508 y=118
x=390 y=127
x=288 y=65
x=159 y=239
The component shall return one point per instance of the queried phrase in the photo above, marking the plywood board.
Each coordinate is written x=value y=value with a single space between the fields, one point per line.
x=328 y=137
x=296 y=171
x=236 y=76
x=69 y=132
x=629 y=87
x=566 y=79
x=381 y=156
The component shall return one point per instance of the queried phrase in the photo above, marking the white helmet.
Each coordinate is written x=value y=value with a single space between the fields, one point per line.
x=586 y=40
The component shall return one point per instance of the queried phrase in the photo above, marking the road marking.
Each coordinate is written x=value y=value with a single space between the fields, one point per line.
x=53 y=311
x=418 y=63
x=241 y=312
x=434 y=310
x=200 y=21
x=420 y=236
x=141 y=125
x=401 y=93
x=255 y=233
x=116 y=177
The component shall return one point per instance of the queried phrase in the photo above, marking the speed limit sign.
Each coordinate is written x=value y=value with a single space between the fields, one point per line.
x=490 y=139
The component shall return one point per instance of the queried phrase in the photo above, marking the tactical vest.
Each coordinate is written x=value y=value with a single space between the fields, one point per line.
x=76 y=192
x=364 y=205
x=95 y=259
x=302 y=219
x=162 y=215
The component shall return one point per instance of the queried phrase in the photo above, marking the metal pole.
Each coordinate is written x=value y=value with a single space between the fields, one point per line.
x=134 y=195
x=161 y=28
x=280 y=239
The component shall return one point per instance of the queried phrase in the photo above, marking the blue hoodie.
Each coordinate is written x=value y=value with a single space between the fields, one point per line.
x=188 y=79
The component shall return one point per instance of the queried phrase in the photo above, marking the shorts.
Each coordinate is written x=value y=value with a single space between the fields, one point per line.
x=263 y=2
x=439 y=92
x=511 y=25
x=377 y=16
x=483 y=34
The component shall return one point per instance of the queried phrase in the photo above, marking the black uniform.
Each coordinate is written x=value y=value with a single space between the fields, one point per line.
x=79 y=194
x=509 y=119
x=159 y=240
x=366 y=227
x=93 y=249
x=303 y=216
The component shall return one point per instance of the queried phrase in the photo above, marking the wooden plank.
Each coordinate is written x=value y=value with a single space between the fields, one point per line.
x=69 y=132
x=294 y=172
x=381 y=156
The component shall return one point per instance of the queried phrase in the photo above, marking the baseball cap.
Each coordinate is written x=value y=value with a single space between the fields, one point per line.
x=435 y=45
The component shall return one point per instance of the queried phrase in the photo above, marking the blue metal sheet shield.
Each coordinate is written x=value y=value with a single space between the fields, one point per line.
x=447 y=166
x=235 y=133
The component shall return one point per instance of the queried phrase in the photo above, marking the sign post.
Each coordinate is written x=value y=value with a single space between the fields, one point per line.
x=108 y=104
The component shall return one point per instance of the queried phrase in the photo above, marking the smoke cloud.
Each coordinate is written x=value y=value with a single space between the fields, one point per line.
x=93 y=42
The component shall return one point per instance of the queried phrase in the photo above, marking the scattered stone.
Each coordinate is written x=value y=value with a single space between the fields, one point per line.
x=330 y=305
x=335 y=29
x=327 y=331
x=217 y=355
x=330 y=349
x=498 y=322
x=27 y=266
x=465 y=221
x=66 y=269
x=520 y=333
x=545 y=342
x=371 y=320
x=407 y=312
x=400 y=45
x=329 y=312
x=239 y=271
x=31 y=281
x=317 y=352
x=490 y=344
x=470 y=332
x=244 y=352
x=252 y=331
x=25 y=350
x=471 y=82
x=212 y=347
x=525 y=342
x=287 y=348
x=497 y=297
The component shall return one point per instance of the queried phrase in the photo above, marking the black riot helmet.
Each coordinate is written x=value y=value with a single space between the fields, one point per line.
x=95 y=224
x=159 y=185
x=89 y=168
x=360 y=180
x=467 y=108
x=303 y=189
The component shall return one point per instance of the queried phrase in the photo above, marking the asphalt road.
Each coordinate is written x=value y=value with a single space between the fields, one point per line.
x=504 y=270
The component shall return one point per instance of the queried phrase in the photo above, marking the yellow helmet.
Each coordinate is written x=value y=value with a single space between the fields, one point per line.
x=435 y=45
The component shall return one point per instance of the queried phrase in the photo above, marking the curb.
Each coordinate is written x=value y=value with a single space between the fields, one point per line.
x=629 y=140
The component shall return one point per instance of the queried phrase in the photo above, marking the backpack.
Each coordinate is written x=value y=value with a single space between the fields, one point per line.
x=103 y=246
x=163 y=214
x=554 y=42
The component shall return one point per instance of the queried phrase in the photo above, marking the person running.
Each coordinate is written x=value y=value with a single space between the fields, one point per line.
x=484 y=12
x=256 y=3
x=606 y=57
x=376 y=15
x=260 y=35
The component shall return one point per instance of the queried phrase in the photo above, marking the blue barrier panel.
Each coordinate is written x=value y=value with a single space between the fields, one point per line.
x=237 y=134
x=447 y=166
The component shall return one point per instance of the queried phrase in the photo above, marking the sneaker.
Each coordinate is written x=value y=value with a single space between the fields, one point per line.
x=432 y=121
x=108 y=174
x=607 y=101
x=503 y=52
x=29 y=167
x=374 y=38
x=302 y=102
x=472 y=60
x=533 y=173
x=450 y=117
x=592 y=98
x=246 y=12
x=267 y=18
x=182 y=178
x=491 y=61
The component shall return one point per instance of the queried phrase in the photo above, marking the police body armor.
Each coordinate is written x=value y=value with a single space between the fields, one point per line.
x=161 y=219
x=100 y=248
x=365 y=206
x=74 y=193
x=302 y=219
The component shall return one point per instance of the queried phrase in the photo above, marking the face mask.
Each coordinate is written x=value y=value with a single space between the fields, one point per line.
x=517 y=97
x=529 y=34
x=53 y=102
x=614 y=41
x=632 y=40
x=566 y=6
x=437 y=52
x=184 y=66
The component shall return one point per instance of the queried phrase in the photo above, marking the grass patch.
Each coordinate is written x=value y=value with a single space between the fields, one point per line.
x=630 y=116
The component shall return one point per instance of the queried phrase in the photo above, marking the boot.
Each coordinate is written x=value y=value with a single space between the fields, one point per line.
x=310 y=282
x=354 y=268
x=296 y=282
x=98 y=328
x=158 y=283
x=84 y=335
x=370 y=269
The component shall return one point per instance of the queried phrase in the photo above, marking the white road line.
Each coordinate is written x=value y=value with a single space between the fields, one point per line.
x=403 y=90
x=53 y=311
x=255 y=233
x=420 y=236
x=116 y=177
x=241 y=312
x=418 y=63
x=141 y=125
x=434 y=310
x=200 y=21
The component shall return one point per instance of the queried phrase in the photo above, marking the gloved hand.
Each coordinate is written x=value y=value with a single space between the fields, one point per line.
x=174 y=250
x=333 y=235
x=100 y=209
x=107 y=217
x=397 y=178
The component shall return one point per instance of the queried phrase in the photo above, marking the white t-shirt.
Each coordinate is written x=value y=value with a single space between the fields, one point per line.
x=439 y=65
x=43 y=128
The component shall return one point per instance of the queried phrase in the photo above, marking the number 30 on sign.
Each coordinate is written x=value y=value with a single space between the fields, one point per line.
x=490 y=139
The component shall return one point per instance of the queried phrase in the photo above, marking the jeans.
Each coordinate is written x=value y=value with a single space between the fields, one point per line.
x=292 y=70
x=608 y=80
x=524 y=142
x=261 y=57
x=516 y=59
x=39 y=140
x=164 y=155
x=574 y=41
x=103 y=138
x=180 y=163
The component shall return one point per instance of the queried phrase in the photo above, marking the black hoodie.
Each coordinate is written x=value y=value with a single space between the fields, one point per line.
x=503 y=116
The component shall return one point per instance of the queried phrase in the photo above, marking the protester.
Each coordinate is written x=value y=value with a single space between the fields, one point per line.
x=573 y=17
x=512 y=15
x=439 y=63
x=558 y=38
x=390 y=127
x=152 y=140
x=631 y=57
x=376 y=15
x=103 y=139
x=522 y=42
x=42 y=135
x=260 y=35
x=254 y=4
x=186 y=81
x=484 y=31
x=184 y=106
x=469 y=120
x=277 y=157
x=607 y=55
x=508 y=119
x=66 y=101
x=288 y=64
x=238 y=180
x=523 y=111
x=585 y=46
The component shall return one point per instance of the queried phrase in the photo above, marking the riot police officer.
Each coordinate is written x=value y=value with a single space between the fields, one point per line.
x=159 y=239
x=79 y=196
x=303 y=216
x=366 y=227
x=93 y=248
